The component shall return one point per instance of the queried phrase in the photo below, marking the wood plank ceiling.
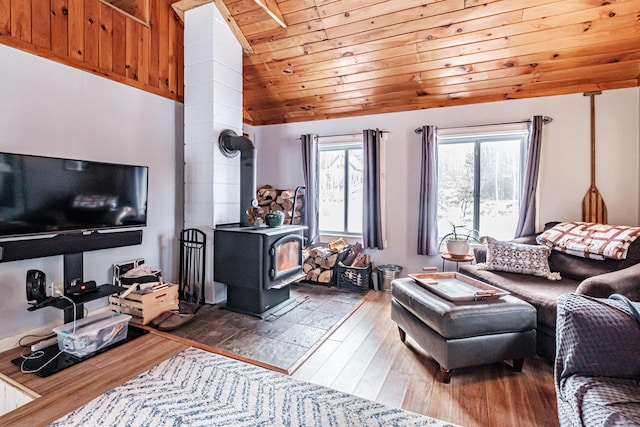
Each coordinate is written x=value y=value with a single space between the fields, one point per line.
x=340 y=58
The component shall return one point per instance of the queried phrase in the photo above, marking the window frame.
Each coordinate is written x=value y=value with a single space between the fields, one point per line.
x=478 y=138
x=345 y=146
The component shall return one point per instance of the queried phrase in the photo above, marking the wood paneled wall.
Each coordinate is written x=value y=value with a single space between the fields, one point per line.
x=92 y=36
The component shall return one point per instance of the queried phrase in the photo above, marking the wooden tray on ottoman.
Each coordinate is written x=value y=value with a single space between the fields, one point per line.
x=457 y=287
x=145 y=307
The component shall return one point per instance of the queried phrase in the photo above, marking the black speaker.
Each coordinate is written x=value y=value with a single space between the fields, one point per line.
x=36 y=286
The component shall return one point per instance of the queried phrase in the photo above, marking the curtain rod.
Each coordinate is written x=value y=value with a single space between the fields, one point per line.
x=546 y=120
x=345 y=134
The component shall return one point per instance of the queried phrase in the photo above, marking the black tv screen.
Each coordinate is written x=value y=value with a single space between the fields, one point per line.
x=45 y=195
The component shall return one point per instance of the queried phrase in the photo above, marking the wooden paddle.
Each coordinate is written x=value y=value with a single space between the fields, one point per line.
x=593 y=207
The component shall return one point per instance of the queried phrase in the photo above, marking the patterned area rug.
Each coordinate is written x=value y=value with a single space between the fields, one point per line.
x=198 y=388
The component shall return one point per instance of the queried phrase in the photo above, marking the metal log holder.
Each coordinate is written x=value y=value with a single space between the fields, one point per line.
x=192 y=265
x=295 y=201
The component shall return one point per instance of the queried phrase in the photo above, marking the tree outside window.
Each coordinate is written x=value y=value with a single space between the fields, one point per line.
x=340 y=188
x=480 y=182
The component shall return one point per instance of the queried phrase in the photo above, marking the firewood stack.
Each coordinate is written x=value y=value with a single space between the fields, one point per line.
x=355 y=257
x=270 y=198
x=320 y=261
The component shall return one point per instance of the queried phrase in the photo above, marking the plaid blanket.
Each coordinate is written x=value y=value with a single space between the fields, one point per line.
x=590 y=240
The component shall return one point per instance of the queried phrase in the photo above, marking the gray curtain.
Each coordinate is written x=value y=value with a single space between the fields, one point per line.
x=372 y=215
x=310 y=167
x=428 y=209
x=527 y=216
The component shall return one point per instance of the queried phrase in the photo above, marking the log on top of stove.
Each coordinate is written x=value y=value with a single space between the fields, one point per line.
x=282 y=200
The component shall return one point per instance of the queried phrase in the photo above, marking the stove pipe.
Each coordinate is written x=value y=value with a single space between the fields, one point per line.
x=231 y=144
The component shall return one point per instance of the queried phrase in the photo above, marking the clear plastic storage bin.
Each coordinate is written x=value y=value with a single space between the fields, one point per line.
x=92 y=333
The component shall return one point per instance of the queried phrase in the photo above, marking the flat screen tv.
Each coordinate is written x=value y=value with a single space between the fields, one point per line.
x=46 y=195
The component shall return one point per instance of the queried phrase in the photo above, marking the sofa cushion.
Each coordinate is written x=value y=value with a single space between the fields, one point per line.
x=597 y=338
x=518 y=258
x=537 y=291
x=480 y=251
x=625 y=282
x=582 y=268
x=597 y=366
x=599 y=401
x=574 y=267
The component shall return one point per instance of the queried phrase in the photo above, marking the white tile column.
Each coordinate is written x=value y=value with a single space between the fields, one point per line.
x=212 y=103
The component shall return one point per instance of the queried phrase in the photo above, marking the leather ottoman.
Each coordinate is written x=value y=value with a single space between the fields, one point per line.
x=459 y=335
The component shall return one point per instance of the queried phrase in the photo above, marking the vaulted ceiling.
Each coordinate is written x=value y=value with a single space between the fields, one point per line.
x=340 y=58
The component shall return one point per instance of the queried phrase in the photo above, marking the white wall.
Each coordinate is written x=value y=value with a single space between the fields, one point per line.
x=53 y=110
x=213 y=103
x=565 y=162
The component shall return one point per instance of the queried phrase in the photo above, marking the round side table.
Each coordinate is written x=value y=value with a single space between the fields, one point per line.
x=446 y=256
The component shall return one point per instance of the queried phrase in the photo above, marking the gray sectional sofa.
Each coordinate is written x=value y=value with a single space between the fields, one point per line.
x=597 y=369
x=597 y=278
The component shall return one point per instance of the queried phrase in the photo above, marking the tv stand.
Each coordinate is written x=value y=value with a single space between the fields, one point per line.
x=64 y=304
x=53 y=360
x=73 y=270
x=71 y=247
x=63 y=244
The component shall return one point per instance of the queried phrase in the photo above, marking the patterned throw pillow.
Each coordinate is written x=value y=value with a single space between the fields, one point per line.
x=518 y=258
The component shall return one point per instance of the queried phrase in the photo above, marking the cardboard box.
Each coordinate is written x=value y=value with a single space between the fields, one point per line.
x=143 y=308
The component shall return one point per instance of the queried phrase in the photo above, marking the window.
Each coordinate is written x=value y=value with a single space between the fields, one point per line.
x=340 y=188
x=480 y=182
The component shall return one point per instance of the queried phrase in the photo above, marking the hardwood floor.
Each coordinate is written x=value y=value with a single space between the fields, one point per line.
x=365 y=357
x=67 y=390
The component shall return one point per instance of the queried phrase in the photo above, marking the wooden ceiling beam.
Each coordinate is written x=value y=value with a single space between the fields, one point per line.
x=272 y=9
x=180 y=7
x=235 y=29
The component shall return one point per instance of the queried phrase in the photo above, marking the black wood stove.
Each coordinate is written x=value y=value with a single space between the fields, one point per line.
x=258 y=265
